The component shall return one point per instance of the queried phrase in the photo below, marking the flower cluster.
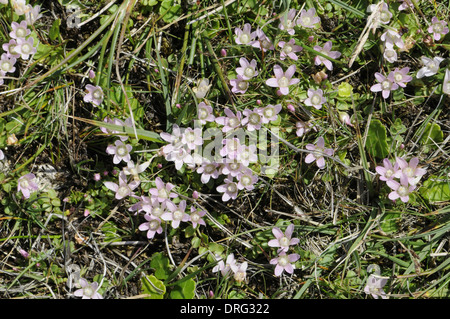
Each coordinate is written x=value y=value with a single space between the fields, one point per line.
x=233 y=157
x=21 y=43
x=401 y=176
x=258 y=39
x=163 y=205
x=282 y=241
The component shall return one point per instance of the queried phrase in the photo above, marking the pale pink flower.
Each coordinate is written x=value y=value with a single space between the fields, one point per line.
x=127 y=123
x=144 y=204
x=284 y=263
x=205 y=113
x=326 y=50
x=240 y=271
x=400 y=190
x=246 y=180
x=173 y=139
x=302 y=128
x=287 y=22
x=224 y=267
x=175 y=213
x=27 y=184
x=283 y=80
x=244 y=36
x=208 y=169
x=318 y=152
x=123 y=189
x=180 y=157
x=405 y=4
x=25 y=47
x=315 y=98
x=19 y=6
x=384 y=16
x=135 y=170
x=288 y=49
x=2 y=155
x=374 y=287
x=231 y=121
x=163 y=191
x=19 y=30
x=283 y=240
x=232 y=168
x=196 y=217
x=120 y=151
x=385 y=84
x=388 y=171
x=391 y=38
x=10 y=48
x=247 y=69
x=262 y=42
x=229 y=190
x=246 y=155
x=192 y=138
x=7 y=63
x=239 y=85
x=438 y=28
x=270 y=113
x=345 y=118
x=401 y=77
x=94 y=95
x=410 y=170
x=308 y=19
x=202 y=88
x=231 y=148
x=157 y=208
x=152 y=226
x=32 y=14
x=88 y=290
x=253 y=119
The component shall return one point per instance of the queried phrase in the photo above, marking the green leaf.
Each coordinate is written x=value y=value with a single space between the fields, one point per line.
x=153 y=287
x=161 y=265
x=388 y=223
x=432 y=135
x=436 y=190
x=349 y=8
x=376 y=144
x=184 y=290
x=54 y=30
x=170 y=10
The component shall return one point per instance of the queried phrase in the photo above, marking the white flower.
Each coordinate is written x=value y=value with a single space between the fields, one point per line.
x=446 y=84
x=430 y=66
x=120 y=151
x=202 y=88
x=19 y=6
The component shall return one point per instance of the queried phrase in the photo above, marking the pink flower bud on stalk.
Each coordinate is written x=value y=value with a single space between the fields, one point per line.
x=223 y=52
x=24 y=253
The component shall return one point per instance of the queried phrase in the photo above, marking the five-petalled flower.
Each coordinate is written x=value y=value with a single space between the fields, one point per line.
x=283 y=80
